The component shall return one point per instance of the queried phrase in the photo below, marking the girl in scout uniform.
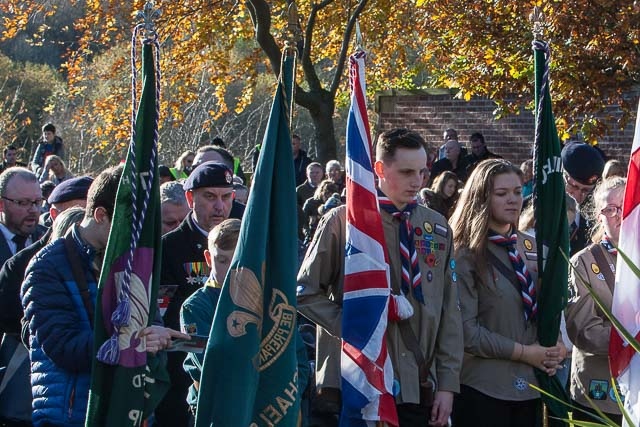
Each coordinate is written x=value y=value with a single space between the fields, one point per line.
x=587 y=326
x=496 y=278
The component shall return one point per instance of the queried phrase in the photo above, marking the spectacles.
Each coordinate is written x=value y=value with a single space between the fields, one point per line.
x=25 y=203
x=574 y=186
x=611 y=210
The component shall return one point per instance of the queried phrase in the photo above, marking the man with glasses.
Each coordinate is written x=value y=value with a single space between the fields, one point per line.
x=582 y=169
x=20 y=202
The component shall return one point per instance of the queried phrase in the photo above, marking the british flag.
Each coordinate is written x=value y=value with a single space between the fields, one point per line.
x=367 y=374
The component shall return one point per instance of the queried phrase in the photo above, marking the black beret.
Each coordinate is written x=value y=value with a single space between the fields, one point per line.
x=582 y=162
x=70 y=189
x=209 y=174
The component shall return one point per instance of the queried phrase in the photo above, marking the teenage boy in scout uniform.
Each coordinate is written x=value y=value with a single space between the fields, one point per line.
x=401 y=156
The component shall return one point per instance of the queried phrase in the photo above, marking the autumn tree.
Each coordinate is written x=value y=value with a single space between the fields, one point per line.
x=213 y=48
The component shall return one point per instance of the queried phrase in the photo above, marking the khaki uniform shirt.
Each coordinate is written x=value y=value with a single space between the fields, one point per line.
x=493 y=322
x=436 y=324
x=589 y=330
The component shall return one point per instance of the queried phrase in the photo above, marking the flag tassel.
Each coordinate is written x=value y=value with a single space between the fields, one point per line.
x=109 y=352
x=122 y=314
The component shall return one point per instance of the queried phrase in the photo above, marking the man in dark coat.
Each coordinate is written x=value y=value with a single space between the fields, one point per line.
x=479 y=152
x=209 y=193
x=300 y=160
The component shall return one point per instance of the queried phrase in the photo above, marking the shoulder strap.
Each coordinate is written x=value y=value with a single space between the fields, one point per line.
x=411 y=341
x=601 y=260
x=78 y=275
x=504 y=270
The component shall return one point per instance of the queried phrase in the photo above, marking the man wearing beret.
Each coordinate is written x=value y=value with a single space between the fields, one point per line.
x=209 y=193
x=582 y=168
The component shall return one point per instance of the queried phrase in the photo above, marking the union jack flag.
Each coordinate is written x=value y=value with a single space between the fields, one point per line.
x=367 y=374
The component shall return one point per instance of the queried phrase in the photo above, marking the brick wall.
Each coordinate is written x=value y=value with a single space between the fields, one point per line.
x=511 y=136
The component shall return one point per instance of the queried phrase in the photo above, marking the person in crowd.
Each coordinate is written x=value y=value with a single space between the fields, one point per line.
x=183 y=166
x=448 y=134
x=48 y=144
x=47 y=188
x=173 y=205
x=435 y=324
x=54 y=170
x=70 y=193
x=209 y=194
x=335 y=173
x=587 y=327
x=196 y=314
x=311 y=207
x=614 y=167
x=219 y=154
x=241 y=192
x=165 y=175
x=443 y=194
x=20 y=201
x=15 y=398
x=10 y=158
x=582 y=168
x=454 y=161
x=304 y=191
x=496 y=275
x=479 y=151
x=300 y=160
x=527 y=176
x=59 y=319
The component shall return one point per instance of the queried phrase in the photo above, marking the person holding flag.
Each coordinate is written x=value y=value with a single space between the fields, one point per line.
x=624 y=360
x=498 y=298
x=426 y=347
x=587 y=327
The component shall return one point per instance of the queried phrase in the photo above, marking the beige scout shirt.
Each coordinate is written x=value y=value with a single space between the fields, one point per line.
x=437 y=323
x=493 y=322
x=589 y=330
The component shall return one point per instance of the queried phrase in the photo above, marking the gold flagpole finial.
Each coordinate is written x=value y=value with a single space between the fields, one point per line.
x=537 y=20
x=148 y=16
x=293 y=34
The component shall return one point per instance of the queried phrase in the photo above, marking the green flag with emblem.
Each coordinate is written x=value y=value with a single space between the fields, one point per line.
x=552 y=234
x=249 y=372
x=127 y=383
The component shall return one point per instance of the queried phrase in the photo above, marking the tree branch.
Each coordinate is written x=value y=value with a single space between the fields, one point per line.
x=310 y=74
x=345 y=45
x=261 y=17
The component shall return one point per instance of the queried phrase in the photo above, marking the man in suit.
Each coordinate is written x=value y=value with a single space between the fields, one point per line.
x=20 y=202
x=209 y=193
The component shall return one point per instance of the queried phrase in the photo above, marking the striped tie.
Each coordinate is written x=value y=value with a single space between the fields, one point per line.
x=411 y=276
x=527 y=287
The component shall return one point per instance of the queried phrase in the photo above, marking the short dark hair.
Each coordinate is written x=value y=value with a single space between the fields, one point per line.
x=219 y=142
x=477 y=136
x=102 y=192
x=8 y=148
x=388 y=142
x=295 y=136
x=49 y=127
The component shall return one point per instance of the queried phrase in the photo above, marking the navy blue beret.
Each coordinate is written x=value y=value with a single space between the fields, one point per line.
x=582 y=162
x=71 y=189
x=209 y=174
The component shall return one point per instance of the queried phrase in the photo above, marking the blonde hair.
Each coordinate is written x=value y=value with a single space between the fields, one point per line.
x=224 y=235
x=179 y=165
x=470 y=219
x=600 y=193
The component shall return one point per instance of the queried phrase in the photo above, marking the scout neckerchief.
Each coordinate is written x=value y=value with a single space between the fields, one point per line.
x=212 y=283
x=606 y=243
x=411 y=277
x=527 y=287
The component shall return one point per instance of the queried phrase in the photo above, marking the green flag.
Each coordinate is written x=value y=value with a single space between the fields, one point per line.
x=552 y=235
x=127 y=383
x=249 y=372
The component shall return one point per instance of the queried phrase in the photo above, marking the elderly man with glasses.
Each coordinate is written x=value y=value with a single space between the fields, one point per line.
x=582 y=169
